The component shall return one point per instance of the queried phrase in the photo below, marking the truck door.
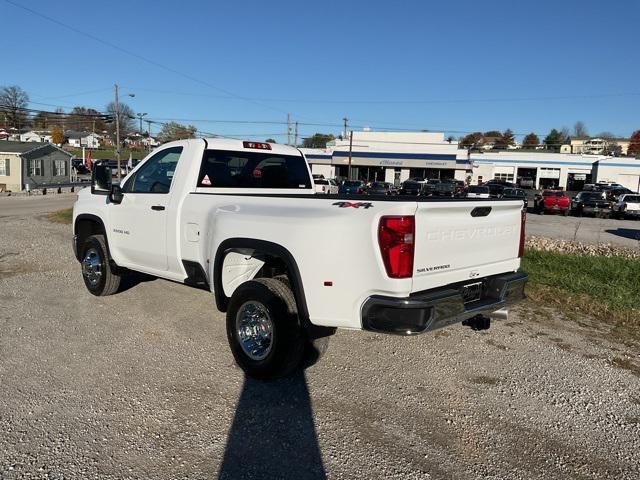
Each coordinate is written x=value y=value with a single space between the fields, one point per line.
x=138 y=225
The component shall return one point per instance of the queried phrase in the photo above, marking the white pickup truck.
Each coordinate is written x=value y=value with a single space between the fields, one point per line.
x=287 y=266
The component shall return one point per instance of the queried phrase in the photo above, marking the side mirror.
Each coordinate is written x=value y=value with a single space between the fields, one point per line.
x=100 y=179
x=116 y=195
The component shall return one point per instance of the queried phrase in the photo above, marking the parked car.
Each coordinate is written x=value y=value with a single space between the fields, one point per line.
x=430 y=186
x=317 y=176
x=590 y=203
x=552 y=201
x=495 y=189
x=477 y=191
x=351 y=187
x=516 y=194
x=613 y=193
x=325 y=186
x=410 y=187
x=380 y=188
x=628 y=205
x=442 y=189
x=241 y=220
x=78 y=165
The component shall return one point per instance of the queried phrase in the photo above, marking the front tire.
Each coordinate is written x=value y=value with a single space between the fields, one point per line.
x=263 y=329
x=97 y=274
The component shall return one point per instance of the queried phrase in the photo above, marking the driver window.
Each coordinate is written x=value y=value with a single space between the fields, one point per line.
x=156 y=174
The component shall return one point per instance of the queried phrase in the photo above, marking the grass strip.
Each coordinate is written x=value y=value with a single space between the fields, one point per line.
x=61 y=216
x=606 y=288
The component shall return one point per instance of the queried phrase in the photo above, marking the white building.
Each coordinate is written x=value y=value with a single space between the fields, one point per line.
x=545 y=169
x=625 y=171
x=83 y=139
x=391 y=156
x=34 y=136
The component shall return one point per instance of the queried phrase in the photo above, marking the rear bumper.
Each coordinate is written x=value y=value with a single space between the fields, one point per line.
x=589 y=209
x=433 y=309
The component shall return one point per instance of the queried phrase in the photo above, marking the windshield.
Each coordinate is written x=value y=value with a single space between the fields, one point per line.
x=478 y=189
x=632 y=198
x=552 y=193
x=321 y=182
x=352 y=184
x=378 y=185
x=511 y=192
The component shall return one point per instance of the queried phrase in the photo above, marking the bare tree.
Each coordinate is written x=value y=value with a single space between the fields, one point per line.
x=580 y=129
x=13 y=102
x=126 y=117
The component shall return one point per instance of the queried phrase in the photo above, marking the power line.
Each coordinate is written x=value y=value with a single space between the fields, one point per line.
x=407 y=101
x=139 y=57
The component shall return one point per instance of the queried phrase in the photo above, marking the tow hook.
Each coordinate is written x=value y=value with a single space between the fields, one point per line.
x=477 y=323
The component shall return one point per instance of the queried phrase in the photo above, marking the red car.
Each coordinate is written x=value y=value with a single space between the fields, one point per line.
x=552 y=201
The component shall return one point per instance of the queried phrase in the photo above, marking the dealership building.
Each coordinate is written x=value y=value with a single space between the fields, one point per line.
x=391 y=157
x=396 y=156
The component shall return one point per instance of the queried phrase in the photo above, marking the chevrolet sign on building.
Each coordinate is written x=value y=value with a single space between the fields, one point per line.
x=392 y=157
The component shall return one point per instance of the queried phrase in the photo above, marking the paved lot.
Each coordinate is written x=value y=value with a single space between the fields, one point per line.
x=22 y=205
x=142 y=385
x=625 y=233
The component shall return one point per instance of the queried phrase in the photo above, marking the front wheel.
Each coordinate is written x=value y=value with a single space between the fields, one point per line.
x=97 y=274
x=263 y=329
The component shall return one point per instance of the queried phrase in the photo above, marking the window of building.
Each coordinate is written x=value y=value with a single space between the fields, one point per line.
x=506 y=177
x=59 y=168
x=5 y=167
x=36 y=168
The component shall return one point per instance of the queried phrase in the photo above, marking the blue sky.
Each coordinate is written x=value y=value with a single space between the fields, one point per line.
x=456 y=66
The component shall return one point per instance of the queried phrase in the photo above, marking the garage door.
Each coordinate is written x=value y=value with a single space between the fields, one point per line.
x=629 y=181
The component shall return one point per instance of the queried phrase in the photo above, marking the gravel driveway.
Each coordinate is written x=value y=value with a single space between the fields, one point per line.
x=142 y=385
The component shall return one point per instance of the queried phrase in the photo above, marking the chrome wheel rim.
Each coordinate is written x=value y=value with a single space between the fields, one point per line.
x=92 y=267
x=255 y=330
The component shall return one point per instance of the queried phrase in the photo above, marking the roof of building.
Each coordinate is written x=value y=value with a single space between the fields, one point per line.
x=19 y=147
x=75 y=134
x=29 y=148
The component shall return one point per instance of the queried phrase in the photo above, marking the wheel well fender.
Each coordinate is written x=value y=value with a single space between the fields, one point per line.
x=86 y=225
x=263 y=247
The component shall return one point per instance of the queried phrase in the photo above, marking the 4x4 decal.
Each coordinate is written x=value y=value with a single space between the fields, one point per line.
x=364 y=205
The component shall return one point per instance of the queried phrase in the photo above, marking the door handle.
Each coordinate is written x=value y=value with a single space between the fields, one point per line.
x=157 y=207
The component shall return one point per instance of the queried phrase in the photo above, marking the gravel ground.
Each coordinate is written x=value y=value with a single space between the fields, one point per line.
x=142 y=385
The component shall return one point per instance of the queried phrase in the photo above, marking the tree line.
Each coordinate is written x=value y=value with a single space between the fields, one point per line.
x=15 y=113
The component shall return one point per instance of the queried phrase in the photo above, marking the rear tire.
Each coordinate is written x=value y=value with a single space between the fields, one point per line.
x=263 y=329
x=97 y=274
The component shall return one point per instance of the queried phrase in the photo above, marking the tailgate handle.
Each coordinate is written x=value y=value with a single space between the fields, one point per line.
x=480 y=211
x=157 y=207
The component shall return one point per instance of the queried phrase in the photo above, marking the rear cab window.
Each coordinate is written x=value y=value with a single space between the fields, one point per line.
x=253 y=170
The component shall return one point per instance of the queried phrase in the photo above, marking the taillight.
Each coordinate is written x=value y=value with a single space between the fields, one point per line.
x=523 y=218
x=396 y=240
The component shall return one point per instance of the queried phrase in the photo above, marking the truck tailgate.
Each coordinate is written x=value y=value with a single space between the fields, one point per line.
x=459 y=241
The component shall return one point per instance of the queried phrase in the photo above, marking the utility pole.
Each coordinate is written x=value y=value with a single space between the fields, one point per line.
x=295 y=136
x=288 y=129
x=345 y=120
x=140 y=115
x=350 y=150
x=117 y=105
x=149 y=132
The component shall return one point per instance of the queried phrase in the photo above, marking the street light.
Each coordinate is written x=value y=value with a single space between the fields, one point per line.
x=117 y=102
